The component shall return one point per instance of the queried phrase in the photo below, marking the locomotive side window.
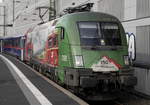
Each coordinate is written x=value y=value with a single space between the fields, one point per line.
x=99 y=34
x=62 y=33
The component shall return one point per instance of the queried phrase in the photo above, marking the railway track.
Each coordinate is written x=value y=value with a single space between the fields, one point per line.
x=127 y=98
x=105 y=103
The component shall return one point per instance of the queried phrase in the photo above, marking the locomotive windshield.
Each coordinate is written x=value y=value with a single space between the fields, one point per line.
x=99 y=34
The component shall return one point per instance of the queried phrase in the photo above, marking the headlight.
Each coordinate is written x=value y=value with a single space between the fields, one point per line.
x=78 y=61
x=126 y=60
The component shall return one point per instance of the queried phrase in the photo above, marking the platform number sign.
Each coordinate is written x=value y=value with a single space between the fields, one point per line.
x=131 y=45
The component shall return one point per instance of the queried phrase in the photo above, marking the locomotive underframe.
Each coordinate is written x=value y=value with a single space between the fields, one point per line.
x=86 y=78
x=89 y=84
x=98 y=84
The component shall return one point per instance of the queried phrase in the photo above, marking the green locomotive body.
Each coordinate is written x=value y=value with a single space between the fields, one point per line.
x=93 y=53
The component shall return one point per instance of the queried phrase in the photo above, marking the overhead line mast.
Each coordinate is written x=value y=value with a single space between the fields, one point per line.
x=52 y=10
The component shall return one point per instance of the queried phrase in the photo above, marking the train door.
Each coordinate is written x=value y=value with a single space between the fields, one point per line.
x=28 y=47
x=1 y=48
x=28 y=51
x=53 y=50
x=22 y=46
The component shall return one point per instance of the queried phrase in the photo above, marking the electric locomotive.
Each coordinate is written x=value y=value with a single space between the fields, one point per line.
x=93 y=53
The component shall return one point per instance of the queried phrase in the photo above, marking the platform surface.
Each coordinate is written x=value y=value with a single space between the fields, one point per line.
x=14 y=91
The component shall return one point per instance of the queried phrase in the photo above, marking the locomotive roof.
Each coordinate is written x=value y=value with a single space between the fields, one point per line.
x=91 y=15
x=70 y=23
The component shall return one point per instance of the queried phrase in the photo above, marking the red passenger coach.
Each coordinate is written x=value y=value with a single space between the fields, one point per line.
x=41 y=45
x=28 y=50
x=28 y=45
x=52 y=50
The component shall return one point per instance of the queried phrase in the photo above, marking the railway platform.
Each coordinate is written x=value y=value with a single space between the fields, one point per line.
x=21 y=85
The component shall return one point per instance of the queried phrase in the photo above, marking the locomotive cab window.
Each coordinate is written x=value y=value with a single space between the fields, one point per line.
x=99 y=34
x=111 y=33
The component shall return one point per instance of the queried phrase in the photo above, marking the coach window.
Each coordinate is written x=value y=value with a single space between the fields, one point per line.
x=50 y=43
x=7 y=42
x=16 y=43
x=11 y=42
x=55 y=42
